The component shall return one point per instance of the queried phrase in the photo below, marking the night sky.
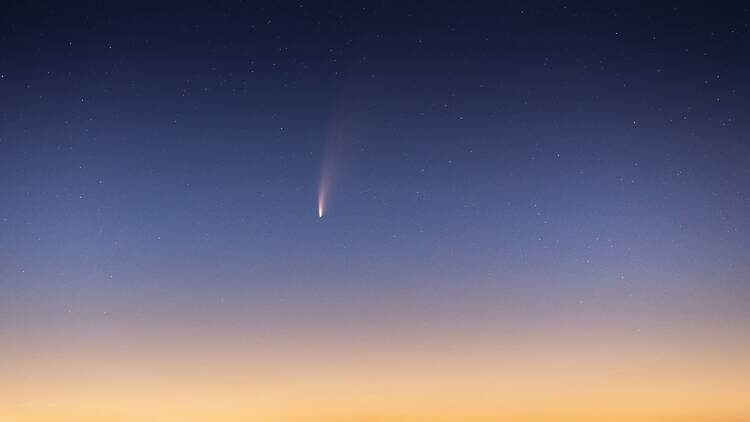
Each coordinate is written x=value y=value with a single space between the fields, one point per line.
x=374 y=212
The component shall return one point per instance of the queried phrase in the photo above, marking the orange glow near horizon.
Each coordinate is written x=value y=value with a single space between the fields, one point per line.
x=377 y=370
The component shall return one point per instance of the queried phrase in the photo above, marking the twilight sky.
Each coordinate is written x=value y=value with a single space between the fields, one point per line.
x=531 y=211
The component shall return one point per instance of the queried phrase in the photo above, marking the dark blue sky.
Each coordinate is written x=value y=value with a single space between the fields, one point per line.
x=483 y=142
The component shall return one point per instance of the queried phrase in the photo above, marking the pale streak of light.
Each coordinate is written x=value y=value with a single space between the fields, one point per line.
x=323 y=194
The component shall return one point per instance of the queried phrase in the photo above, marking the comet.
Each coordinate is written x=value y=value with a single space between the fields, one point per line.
x=335 y=157
x=337 y=148
x=324 y=186
x=321 y=203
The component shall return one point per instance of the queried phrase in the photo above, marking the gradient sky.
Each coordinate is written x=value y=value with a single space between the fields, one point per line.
x=533 y=212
